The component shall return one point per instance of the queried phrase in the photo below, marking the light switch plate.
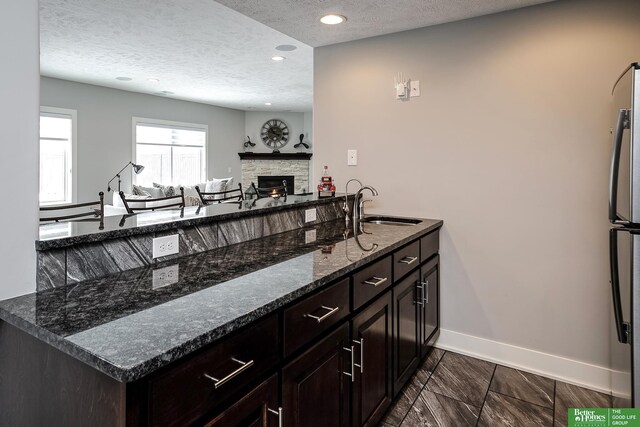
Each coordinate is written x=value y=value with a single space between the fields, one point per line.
x=165 y=276
x=415 y=88
x=310 y=215
x=163 y=246
x=352 y=157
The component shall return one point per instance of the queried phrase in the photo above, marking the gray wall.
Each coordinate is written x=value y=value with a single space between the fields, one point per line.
x=255 y=119
x=509 y=145
x=104 y=129
x=19 y=83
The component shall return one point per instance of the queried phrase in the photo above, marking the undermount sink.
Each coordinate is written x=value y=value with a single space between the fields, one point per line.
x=391 y=220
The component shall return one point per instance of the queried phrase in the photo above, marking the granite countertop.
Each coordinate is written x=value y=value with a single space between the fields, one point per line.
x=63 y=234
x=128 y=326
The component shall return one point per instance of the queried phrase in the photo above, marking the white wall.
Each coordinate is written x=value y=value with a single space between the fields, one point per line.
x=255 y=119
x=509 y=145
x=104 y=129
x=19 y=82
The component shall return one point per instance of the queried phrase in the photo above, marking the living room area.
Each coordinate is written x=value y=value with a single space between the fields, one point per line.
x=171 y=119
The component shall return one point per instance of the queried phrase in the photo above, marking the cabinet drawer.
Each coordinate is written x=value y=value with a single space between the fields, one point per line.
x=429 y=245
x=198 y=385
x=315 y=314
x=406 y=259
x=371 y=281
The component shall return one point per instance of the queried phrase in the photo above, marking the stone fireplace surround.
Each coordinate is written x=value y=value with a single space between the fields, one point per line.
x=299 y=168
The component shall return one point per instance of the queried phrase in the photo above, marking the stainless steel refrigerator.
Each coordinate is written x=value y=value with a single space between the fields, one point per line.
x=624 y=238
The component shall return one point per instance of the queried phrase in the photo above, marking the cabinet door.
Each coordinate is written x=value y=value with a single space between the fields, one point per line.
x=430 y=310
x=372 y=336
x=316 y=385
x=258 y=408
x=406 y=347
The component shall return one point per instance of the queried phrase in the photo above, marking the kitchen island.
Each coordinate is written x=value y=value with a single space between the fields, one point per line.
x=239 y=333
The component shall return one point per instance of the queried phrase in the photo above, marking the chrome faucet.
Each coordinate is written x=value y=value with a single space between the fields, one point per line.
x=358 y=202
x=345 y=207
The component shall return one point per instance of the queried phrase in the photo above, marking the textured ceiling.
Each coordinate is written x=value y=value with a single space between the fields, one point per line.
x=300 y=19
x=198 y=49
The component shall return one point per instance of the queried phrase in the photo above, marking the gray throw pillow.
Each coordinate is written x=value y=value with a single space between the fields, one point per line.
x=139 y=191
x=154 y=192
x=168 y=190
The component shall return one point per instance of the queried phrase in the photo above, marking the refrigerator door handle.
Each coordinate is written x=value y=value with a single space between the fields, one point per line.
x=622 y=328
x=621 y=125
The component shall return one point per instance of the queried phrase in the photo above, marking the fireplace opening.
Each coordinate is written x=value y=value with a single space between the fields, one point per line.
x=276 y=181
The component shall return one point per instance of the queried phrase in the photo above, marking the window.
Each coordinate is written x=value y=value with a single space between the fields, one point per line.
x=171 y=152
x=57 y=142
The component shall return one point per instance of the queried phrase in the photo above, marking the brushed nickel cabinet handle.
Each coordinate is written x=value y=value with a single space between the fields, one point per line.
x=425 y=292
x=419 y=297
x=219 y=382
x=361 y=344
x=375 y=281
x=351 y=374
x=409 y=260
x=279 y=414
x=321 y=318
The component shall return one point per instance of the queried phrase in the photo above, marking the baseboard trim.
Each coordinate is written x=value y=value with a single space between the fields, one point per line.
x=559 y=368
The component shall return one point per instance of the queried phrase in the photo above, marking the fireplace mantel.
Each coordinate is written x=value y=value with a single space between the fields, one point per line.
x=275 y=156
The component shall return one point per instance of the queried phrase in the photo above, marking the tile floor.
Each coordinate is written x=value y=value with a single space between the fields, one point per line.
x=453 y=390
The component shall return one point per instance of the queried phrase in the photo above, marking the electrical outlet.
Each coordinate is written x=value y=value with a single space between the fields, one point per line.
x=415 y=88
x=165 y=276
x=309 y=236
x=163 y=246
x=310 y=215
x=352 y=157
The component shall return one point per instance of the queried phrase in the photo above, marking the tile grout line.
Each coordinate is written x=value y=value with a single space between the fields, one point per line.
x=423 y=386
x=486 y=394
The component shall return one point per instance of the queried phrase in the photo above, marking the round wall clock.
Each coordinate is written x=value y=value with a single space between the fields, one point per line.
x=275 y=134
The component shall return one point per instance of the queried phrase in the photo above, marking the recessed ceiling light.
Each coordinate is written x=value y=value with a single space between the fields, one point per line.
x=286 y=47
x=153 y=80
x=278 y=58
x=124 y=79
x=267 y=104
x=333 y=19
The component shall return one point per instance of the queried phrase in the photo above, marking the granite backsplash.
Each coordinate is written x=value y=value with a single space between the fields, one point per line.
x=87 y=261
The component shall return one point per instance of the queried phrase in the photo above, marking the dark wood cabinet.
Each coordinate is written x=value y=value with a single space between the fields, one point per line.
x=317 y=384
x=335 y=357
x=406 y=348
x=371 y=281
x=314 y=315
x=405 y=260
x=258 y=408
x=429 y=245
x=430 y=308
x=372 y=339
x=204 y=381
